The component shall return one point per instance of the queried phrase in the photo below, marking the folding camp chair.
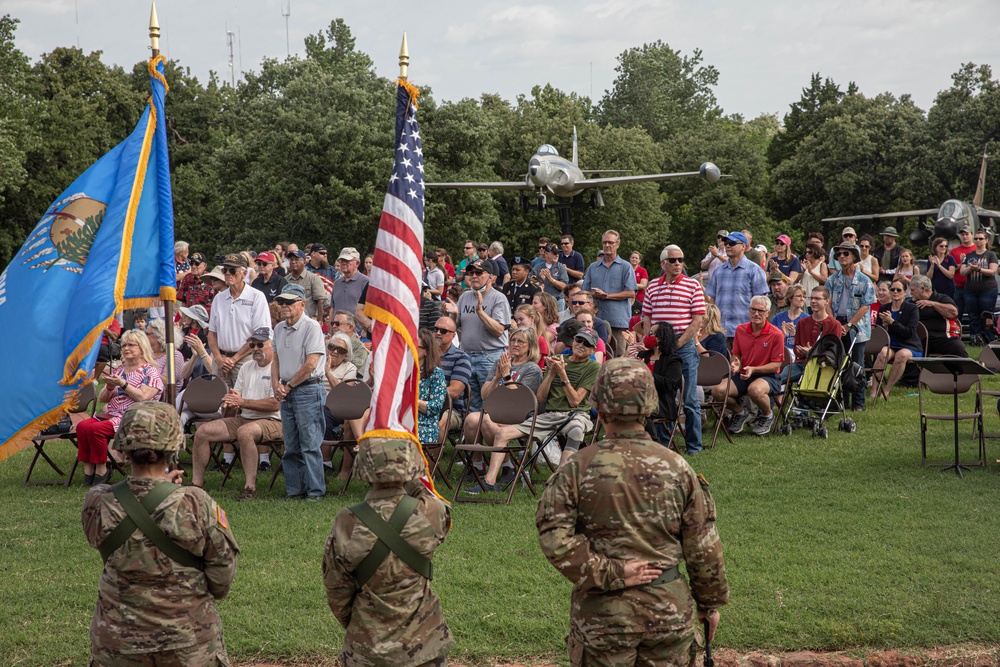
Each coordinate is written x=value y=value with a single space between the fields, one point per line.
x=274 y=447
x=86 y=402
x=204 y=396
x=989 y=358
x=506 y=405
x=348 y=400
x=945 y=385
x=876 y=344
x=714 y=368
x=434 y=450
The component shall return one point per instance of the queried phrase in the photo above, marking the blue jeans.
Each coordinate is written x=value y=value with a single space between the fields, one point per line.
x=960 y=301
x=482 y=367
x=858 y=357
x=692 y=410
x=976 y=304
x=302 y=424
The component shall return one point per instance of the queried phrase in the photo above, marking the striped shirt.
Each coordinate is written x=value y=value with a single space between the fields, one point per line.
x=120 y=401
x=675 y=302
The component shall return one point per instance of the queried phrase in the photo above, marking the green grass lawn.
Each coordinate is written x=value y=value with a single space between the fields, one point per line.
x=829 y=544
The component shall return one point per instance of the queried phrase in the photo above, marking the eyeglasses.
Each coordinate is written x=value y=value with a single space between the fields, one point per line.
x=609 y=242
x=443 y=331
x=675 y=260
x=518 y=340
x=845 y=253
x=579 y=303
x=255 y=343
x=759 y=310
x=230 y=270
x=896 y=289
x=342 y=350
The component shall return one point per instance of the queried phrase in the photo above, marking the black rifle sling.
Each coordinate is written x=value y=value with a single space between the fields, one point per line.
x=389 y=538
x=138 y=516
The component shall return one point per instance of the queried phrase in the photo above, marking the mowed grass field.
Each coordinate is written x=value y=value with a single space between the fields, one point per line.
x=830 y=544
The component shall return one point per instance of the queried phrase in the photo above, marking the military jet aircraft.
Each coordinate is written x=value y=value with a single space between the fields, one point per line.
x=948 y=219
x=550 y=174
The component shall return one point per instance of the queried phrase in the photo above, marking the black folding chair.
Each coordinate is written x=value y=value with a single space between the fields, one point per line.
x=86 y=402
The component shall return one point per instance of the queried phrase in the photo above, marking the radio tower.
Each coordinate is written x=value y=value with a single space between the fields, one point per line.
x=286 y=11
x=232 y=70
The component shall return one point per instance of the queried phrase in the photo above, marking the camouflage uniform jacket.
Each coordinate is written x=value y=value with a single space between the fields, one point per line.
x=146 y=602
x=629 y=498
x=395 y=618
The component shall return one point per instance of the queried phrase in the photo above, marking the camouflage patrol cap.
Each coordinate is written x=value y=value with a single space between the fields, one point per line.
x=624 y=386
x=388 y=461
x=150 y=425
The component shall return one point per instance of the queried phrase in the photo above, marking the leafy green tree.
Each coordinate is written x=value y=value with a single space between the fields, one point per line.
x=965 y=120
x=660 y=90
x=818 y=103
x=18 y=133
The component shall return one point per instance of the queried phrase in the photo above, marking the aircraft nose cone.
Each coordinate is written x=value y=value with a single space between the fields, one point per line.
x=536 y=172
x=946 y=227
x=710 y=172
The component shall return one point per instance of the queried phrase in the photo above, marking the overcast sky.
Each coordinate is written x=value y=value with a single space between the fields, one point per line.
x=765 y=50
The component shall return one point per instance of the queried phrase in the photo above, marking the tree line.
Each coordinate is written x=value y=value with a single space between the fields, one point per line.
x=301 y=150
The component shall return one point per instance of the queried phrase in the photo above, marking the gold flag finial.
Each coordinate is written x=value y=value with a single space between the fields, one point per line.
x=404 y=58
x=154 y=31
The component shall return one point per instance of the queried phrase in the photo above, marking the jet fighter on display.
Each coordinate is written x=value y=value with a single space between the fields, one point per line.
x=550 y=174
x=948 y=219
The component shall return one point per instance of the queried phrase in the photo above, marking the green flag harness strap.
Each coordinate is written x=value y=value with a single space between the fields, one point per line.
x=389 y=538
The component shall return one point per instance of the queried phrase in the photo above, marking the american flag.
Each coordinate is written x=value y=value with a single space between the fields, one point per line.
x=393 y=300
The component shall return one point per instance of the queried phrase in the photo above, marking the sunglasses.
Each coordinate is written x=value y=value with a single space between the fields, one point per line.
x=675 y=260
x=338 y=350
x=582 y=341
x=469 y=247
x=230 y=270
x=848 y=236
x=729 y=244
x=865 y=246
x=261 y=263
x=321 y=252
x=474 y=273
x=565 y=243
x=980 y=238
x=286 y=302
x=255 y=344
x=338 y=323
x=896 y=289
x=779 y=243
x=579 y=303
x=845 y=253
x=443 y=331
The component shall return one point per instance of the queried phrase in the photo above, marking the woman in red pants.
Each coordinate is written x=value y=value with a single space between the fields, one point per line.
x=134 y=381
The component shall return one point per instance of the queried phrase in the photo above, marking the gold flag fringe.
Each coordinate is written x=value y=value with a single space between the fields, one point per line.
x=411 y=90
x=24 y=436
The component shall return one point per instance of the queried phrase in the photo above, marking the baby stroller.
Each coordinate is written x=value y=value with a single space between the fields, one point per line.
x=818 y=392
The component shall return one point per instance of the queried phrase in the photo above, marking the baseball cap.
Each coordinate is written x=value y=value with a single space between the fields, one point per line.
x=349 y=253
x=298 y=254
x=483 y=265
x=737 y=237
x=588 y=335
x=567 y=331
x=235 y=259
x=264 y=333
x=552 y=248
x=784 y=238
x=197 y=258
x=776 y=277
x=723 y=233
x=292 y=292
x=266 y=258
x=965 y=230
x=317 y=247
x=848 y=230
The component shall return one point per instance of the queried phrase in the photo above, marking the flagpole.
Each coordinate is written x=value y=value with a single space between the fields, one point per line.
x=404 y=58
x=168 y=304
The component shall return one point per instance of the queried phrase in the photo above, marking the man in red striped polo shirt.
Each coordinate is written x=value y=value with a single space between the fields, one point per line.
x=679 y=300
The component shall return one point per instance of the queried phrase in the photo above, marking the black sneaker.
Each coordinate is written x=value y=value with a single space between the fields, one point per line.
x=263 y=466
x=740 y=420
x=477 y=489
x=506 y=477
x=762 y=425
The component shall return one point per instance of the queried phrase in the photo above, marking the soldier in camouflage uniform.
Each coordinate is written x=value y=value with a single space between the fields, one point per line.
x=616 y=520
x=151 y=610
x=394 y=618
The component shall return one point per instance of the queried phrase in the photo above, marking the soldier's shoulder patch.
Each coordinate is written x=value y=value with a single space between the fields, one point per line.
x=223 y=519
x=702 y=480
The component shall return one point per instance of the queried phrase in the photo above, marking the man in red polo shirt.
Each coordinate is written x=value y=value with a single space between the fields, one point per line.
x=679 y=300
x=758 y=352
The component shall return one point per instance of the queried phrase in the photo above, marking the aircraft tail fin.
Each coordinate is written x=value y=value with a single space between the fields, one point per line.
x=978 y=199
x=574 y=145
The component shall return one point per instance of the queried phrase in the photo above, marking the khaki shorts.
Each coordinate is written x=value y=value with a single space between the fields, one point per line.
x=270 y=429
x=548 y=423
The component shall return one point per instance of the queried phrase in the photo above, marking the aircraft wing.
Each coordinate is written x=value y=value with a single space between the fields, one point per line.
x=641 y=178
x=884 y=216
x=512 y=185
x=986 y=213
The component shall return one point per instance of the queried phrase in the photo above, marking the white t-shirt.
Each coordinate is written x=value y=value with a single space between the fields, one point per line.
x=253 y=382
x=233 y=320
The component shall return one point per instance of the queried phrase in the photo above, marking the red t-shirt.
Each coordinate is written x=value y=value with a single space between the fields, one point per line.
x=758 y=349
x=958 y=253
x=808 y=331
x=640 y=275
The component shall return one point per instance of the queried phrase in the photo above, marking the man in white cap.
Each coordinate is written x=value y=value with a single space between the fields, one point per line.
x=888 y=254
x=846 y=236
x=237 y=312
x=348 y=287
